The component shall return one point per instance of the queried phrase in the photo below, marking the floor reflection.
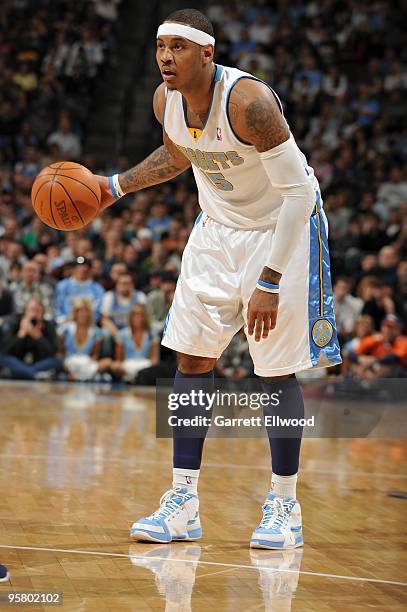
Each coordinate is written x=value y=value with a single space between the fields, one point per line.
x=279 y=575
x=174 y=568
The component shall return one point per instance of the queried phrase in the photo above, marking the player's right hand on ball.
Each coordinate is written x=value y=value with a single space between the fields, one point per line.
x=107 y=198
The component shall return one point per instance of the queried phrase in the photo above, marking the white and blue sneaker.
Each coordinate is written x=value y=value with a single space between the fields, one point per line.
x=280 y=526
x=177 y=518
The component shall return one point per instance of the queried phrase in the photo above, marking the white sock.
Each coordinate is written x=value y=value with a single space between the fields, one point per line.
x=284 y=485
x=185 y=478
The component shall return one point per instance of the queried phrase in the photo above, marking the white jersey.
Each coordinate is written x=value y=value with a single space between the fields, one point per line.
x=233 y=186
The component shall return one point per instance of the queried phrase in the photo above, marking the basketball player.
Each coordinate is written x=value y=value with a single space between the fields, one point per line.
x=257 y=257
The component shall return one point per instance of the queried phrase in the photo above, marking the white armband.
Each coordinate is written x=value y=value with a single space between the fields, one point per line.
x=288 y=175
x=114 y=185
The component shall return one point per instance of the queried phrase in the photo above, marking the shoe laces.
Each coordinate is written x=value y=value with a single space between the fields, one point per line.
x=276 y=513
x=170 y=502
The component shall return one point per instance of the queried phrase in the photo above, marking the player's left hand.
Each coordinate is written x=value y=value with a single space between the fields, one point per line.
x=262 y=313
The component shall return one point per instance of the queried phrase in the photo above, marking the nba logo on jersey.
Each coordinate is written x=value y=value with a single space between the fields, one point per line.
x=218 y=134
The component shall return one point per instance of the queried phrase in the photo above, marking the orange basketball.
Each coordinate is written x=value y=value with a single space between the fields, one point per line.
x=66 y=196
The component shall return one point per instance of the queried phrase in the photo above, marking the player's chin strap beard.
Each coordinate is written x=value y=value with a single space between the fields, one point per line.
x=170 y=28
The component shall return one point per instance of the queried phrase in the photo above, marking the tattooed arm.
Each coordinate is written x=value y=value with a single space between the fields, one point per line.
x=256 y=118
x=255 y=115
x=161 y=165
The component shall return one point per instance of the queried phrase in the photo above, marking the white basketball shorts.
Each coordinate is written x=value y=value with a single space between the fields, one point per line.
x=219 y=271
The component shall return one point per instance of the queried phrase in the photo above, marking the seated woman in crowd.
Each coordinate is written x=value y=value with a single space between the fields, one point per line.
x=137 y=347
x=80 y=344
x=364 y=327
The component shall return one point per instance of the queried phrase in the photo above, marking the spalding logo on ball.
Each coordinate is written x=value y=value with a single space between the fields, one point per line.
x=66 y=196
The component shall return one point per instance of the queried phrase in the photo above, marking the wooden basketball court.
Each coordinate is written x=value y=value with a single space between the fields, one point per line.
x=80 y=463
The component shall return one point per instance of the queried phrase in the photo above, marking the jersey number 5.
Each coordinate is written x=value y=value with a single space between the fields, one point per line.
x=219 y=181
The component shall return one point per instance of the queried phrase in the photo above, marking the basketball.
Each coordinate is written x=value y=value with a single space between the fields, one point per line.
x=66 y=196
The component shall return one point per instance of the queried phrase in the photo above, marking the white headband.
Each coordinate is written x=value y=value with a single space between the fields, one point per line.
x=178 y=29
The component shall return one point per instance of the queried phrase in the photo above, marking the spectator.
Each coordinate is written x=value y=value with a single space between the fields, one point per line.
x=97 y=271
x=30 y=345
x=116 y=270
x=335 y=83
x=366 y=106
x=387 y=261
x=107 y=9
x=11 y=254
x=144 y=244
x=6 y=303
x=372 y=237
x=393 y=192
x=401 y=292
x=366 y=287
x=85 y=57
x=25 y=78
x=261 y=30
x=310 y=71
x=256 y=62
x=242 y=46
x=159 y=301
x=67 y=141
x=305 y=92
x=70 y=249
x=29 y=286
x=117 y=304
x=79 y=285
x=384 y=354
x=30 y=163
x=347 y=307
x=396 y=78
x=380 y=304
x=137 y=346
x=57 y=55
x=368 y=264
x=160 y=220
x=80 y=344
x=130 y=258
x=9 y=90
x=364 y=327
x=10 y=229
x=375 y=75
x=233 y=24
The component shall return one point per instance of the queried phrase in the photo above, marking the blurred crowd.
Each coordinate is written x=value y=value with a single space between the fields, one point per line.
x=92 y=304
x=50 y=55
